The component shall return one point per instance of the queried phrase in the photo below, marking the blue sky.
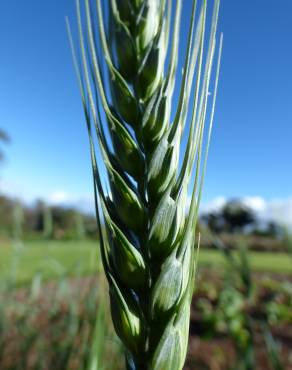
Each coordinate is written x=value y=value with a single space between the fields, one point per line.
x=40 y=105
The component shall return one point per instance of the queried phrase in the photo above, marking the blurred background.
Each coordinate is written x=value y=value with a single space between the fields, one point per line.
x=53 y=305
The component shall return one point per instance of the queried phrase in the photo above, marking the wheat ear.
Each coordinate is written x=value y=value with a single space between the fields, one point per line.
x=127 y=71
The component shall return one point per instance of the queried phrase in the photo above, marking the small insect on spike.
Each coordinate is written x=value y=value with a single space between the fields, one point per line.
x=129 y=54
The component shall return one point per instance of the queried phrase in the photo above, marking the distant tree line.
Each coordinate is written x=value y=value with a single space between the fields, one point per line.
x=43 y=221
x=237 y=218
x=57 y=222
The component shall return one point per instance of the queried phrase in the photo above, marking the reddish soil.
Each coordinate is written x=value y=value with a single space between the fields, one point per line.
x=219 y=352
x=41 y=327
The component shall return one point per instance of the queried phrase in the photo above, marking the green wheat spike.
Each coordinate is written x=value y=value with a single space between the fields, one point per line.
x=147 y=232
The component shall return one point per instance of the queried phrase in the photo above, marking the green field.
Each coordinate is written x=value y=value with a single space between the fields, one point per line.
x=54 y=259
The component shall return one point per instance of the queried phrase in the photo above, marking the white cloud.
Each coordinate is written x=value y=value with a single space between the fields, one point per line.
x=280 y=210
x=59 y=197
x=258 y=204
x=17 y=191
x=83 y=203
x=277 y=209
x=215 y=205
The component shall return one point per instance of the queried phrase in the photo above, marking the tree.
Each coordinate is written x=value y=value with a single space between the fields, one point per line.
x=4 y=138
x=237 y=215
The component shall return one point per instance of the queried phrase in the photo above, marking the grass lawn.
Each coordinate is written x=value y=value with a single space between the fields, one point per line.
x=260 y=261
x=54 y=259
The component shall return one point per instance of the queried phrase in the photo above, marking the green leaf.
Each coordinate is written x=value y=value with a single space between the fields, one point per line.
x=273 y=350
